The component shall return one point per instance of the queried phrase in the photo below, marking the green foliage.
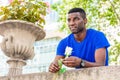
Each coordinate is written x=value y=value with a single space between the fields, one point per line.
x=98 y=12
x=115 y=53
x=28 y=10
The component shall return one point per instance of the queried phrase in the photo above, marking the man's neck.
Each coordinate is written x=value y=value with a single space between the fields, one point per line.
x=80 y=36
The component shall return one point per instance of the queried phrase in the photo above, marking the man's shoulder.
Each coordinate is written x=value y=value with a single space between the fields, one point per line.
x=93 y=34
x=94 y=31
x=68 y=37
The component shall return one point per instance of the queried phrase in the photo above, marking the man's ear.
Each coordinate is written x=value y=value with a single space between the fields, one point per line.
x=85 y=20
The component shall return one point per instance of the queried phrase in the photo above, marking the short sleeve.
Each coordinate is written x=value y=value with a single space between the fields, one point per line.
x=101 y=41
x=61 y=47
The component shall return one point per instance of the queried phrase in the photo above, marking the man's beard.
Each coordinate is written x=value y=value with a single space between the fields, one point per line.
x=79 y=30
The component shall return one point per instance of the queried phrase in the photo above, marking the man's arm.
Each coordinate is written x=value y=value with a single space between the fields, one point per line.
x=100 y=57
x=54 y=67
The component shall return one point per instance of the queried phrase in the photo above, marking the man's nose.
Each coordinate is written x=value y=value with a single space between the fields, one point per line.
x=71 y=23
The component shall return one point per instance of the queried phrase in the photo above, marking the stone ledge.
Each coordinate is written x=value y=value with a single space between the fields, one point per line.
x=94 y=73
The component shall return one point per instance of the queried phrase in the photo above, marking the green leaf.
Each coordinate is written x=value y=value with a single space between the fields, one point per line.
x=62 y=70
x=60 y=63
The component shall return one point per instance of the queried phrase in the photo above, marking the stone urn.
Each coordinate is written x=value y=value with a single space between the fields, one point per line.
x=18 y=43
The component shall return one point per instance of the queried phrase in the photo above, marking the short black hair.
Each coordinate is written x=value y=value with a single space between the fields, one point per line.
x=80 y=10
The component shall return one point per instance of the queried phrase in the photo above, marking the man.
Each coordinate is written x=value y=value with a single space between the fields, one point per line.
x=89 y=47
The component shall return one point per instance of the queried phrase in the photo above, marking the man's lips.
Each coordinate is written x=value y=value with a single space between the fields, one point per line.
x=73 y=28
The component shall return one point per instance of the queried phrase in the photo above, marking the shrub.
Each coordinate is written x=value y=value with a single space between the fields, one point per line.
x=27 y=10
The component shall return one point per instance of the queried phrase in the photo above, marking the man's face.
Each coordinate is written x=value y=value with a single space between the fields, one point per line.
x=76 y=23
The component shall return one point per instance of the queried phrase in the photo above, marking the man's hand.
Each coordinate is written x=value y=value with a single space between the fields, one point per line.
x=54 y=67
x=72 y=61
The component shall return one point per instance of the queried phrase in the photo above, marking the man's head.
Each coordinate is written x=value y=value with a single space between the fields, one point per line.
x=80 y=10
x=76 y=20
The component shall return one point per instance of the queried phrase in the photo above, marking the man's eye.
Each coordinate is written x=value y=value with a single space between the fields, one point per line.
x=76 y=18
x=68 y=20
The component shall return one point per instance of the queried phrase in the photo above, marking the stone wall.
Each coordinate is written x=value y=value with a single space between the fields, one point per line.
x=95 y=73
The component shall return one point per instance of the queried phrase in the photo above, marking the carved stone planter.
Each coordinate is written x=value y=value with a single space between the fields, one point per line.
x=17 y=43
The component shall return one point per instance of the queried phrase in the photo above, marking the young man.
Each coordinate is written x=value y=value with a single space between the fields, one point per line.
x=89 y=47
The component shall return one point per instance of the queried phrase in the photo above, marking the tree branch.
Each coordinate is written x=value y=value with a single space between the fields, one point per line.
x=115 y=11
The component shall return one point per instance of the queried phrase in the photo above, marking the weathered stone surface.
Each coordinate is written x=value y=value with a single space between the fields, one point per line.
x=19 y=37
x=95 y=73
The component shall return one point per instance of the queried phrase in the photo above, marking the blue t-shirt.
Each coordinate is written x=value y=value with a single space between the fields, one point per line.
x=86 y=48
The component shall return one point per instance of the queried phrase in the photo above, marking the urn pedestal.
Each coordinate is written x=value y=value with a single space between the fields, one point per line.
x=17 y=44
